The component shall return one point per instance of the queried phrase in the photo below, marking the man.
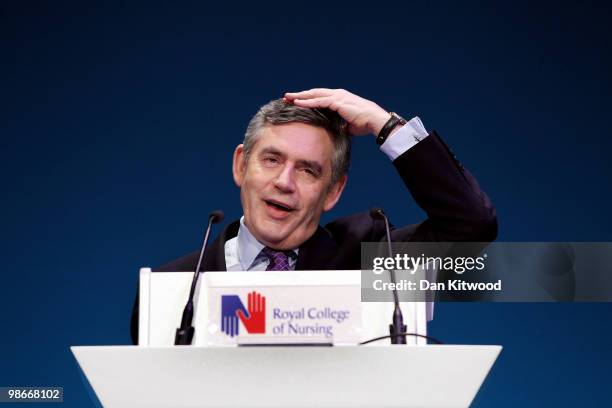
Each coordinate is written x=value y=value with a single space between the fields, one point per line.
x=293 y=166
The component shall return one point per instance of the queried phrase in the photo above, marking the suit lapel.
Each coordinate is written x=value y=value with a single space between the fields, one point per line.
x=215 y=254
x=318 y=252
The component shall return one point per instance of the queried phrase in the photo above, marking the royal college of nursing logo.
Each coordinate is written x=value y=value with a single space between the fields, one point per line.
x=253 y=318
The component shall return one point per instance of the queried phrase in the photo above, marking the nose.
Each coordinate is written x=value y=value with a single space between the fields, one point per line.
x=285 y=180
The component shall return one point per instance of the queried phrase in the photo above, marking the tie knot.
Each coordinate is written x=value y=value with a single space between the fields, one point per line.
x=279 y=260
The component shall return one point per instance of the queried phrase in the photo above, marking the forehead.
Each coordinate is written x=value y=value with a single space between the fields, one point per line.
x=297 y=141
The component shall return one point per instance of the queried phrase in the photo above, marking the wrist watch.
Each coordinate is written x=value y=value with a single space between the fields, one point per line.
x=394 y=121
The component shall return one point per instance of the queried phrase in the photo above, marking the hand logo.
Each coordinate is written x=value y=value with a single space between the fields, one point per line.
x=255 y=322
x=253 y=319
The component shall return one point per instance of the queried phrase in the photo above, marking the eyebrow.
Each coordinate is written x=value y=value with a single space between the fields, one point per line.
x=313 y=165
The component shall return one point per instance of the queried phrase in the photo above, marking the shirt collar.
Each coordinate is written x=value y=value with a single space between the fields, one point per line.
x=248 y=246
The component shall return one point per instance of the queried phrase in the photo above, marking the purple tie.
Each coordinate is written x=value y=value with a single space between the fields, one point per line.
x=279 y=260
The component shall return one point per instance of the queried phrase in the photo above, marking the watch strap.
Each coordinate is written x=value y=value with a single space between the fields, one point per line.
x=394 y=121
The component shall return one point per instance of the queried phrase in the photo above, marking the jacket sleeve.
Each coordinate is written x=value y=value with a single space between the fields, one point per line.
x=457 y=209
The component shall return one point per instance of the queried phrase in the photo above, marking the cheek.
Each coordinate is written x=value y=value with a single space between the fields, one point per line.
x=253 y=184
x=316 y=202
x=256 y=177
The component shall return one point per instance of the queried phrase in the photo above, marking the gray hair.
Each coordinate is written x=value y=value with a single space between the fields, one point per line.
x=279 y=112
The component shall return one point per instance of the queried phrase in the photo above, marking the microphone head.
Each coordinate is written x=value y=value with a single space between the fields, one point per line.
x=377 y=213
x=216 y=216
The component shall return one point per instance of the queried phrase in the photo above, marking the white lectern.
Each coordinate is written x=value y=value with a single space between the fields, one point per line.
x=347 y=376
x=155 y=374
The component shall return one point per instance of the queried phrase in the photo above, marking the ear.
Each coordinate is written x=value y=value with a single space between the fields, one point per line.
x=239 y=164
x=334 y=193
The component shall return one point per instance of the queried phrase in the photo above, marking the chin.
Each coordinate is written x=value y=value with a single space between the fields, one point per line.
x=276 y=241
x=268 y=238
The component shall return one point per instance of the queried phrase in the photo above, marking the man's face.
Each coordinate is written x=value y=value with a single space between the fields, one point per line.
x=285 y=183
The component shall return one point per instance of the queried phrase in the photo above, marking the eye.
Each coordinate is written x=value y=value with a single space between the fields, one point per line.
x=308 y=171
x=270 y=160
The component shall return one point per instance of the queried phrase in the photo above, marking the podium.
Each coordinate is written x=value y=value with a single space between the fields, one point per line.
x=286 y=376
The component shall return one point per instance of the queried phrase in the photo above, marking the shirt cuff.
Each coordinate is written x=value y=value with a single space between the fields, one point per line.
x=404 y=138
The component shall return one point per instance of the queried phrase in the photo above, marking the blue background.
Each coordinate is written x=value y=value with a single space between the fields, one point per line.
x=118 y=124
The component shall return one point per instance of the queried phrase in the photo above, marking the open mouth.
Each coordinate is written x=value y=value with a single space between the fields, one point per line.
x=279 y=206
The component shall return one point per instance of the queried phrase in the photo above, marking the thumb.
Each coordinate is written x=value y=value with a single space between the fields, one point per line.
x=242 y=316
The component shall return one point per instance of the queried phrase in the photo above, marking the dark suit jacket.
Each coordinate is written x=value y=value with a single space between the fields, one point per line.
x=457 y=210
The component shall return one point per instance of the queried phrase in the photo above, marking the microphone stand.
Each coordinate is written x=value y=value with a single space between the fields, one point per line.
x=184 y=334
x=397 y=329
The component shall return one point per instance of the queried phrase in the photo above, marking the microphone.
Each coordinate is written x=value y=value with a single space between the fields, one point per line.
x=184 y=334
x=397 y=329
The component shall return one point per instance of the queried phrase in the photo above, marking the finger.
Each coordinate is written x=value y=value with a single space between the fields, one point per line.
x=263 y=303
x=257 y=300
x=223 y=324
x=323 y=102
x=250 y=301
x=311 y=93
